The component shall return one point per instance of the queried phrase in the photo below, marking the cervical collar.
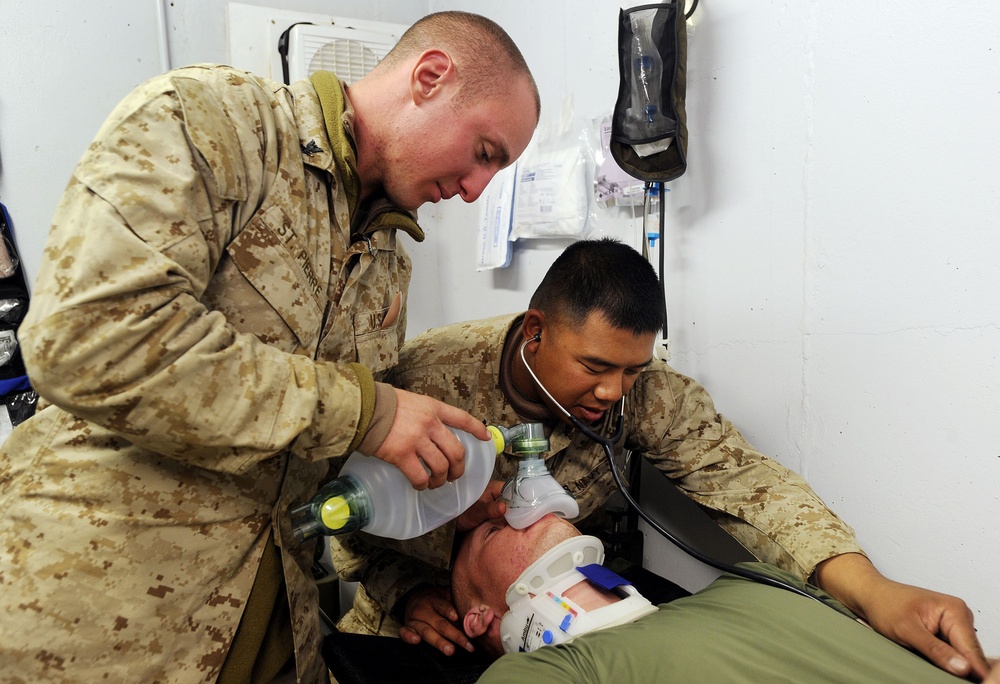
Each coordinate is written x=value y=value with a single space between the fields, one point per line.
x=540 y=615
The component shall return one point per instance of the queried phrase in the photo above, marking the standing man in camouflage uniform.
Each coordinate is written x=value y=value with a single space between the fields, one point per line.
x=588 y=337
x=224 y=281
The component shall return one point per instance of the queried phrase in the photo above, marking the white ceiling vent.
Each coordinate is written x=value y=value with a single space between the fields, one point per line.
x=346 y=50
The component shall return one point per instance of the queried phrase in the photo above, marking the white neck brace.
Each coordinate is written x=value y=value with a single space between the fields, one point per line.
x=540 y=615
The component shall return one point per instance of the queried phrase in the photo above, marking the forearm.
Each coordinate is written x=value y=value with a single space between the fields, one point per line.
x=676 y=425
x=852 y=579
x=936 y=625
x=776 y=505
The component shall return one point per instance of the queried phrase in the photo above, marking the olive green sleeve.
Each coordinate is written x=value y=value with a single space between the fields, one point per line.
x=367 y=385
x=376 y=418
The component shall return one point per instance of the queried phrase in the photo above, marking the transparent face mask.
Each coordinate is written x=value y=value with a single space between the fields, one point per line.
x=533 y=493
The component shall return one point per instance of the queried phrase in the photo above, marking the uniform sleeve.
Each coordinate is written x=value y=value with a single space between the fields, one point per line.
x=117 y=332
x=385 y=571
x=705 y=455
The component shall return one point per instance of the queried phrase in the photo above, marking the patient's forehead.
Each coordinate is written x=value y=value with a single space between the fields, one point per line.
x=495 y=554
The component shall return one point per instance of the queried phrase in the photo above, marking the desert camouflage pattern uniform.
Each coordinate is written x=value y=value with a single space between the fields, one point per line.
x=669 y=418
x=191 y=332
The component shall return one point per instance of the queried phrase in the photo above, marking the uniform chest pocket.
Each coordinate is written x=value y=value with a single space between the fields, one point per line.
x=281 y=271
x=376 y=347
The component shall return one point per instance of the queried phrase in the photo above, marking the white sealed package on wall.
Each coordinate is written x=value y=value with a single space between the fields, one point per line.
x=553 y=192
x=496 y=207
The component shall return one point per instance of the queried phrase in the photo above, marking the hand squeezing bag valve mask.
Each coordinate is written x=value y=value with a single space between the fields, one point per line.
x=648 y=128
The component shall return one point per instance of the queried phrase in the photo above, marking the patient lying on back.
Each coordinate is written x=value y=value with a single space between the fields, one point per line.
x=517 y=590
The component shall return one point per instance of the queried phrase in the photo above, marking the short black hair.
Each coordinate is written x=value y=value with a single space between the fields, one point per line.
x=603 y=275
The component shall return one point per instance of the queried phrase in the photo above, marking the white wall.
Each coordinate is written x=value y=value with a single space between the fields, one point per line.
x=829 y=249
x=830 y=253
x=63 y=66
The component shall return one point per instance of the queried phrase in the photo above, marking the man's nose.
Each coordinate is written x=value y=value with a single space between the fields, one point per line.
x=472 y=184
x=610 y=389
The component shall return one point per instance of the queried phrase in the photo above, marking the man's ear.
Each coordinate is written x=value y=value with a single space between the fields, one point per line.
x=477 y=621
x=434 y=69
x=532 y=327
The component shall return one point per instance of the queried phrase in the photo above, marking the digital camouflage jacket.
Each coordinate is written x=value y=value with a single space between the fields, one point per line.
x=669 y=418
x=192 y=332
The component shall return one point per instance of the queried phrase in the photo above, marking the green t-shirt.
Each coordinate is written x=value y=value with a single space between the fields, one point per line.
x=735 y=630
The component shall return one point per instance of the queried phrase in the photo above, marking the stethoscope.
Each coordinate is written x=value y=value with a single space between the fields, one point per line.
x=609 y=444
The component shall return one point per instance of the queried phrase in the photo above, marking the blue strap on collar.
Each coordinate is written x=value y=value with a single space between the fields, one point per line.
x=602 y=577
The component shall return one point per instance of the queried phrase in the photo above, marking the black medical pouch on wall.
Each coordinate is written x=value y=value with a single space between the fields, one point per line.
x=16 y=394
x=649 y=125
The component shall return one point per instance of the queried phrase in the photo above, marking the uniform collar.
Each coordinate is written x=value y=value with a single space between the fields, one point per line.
x=338 y=125
x=526 y=408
